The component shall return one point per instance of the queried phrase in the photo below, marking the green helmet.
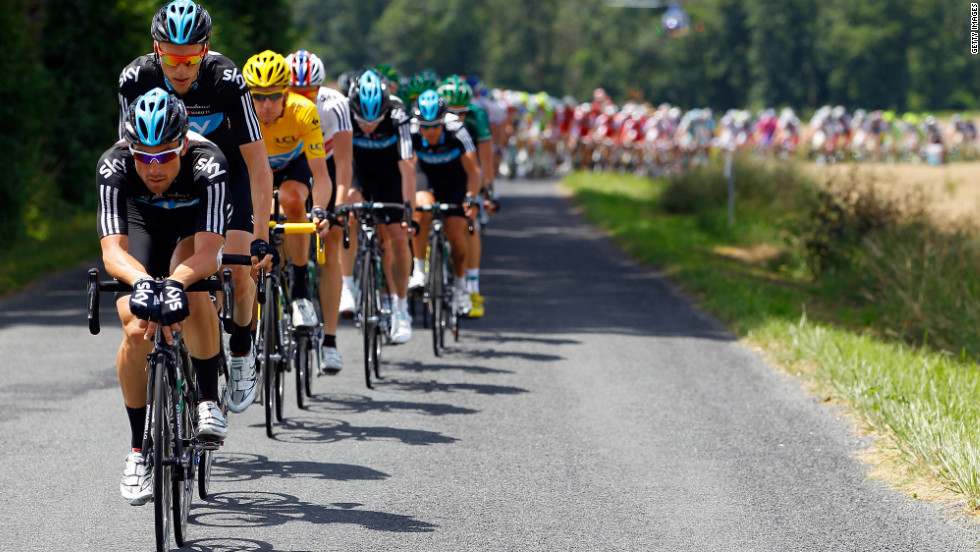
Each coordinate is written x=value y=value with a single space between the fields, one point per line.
x=457 y=92
x=420 y=83
x=388 y=72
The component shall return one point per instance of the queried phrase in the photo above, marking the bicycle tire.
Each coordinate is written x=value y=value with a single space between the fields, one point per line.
x=162 y=445
x=204 y=463
x=302 y=364
x=280 y=387
x=269 y=338
x=313 y=358
x=435 y=294
x=369 y=313
x=186 y=470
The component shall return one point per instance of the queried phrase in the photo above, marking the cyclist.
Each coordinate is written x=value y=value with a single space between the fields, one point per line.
x=219 y=108
x=448 y=172
x=291 y=130
x=307 y=78
x=162 y=214
x=458 y=95
x=383 y=171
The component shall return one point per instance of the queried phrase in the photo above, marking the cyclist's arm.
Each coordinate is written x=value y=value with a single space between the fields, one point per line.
x=473 y=173
x=343 y=158
x=485 y=151
x=203 y=263
x=322 y=185
x=407 y=169
x=118 y=262
x=260 y=177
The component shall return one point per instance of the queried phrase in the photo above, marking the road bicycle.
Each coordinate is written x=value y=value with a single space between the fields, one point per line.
x=177 y=457
x=373 y=315
x=280 y=345
x=440 y=283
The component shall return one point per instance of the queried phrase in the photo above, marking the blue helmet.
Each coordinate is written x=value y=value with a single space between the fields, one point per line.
x=157 y=117
x=369 y=99
x=181 y=22
x=430 y=108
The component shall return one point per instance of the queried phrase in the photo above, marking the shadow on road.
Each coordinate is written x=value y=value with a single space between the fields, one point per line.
x=326 y=430
x=356 y=404
x=547 y=272
x=268 y=509
x=237 y=466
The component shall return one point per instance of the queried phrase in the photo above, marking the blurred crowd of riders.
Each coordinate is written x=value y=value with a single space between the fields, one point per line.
x=536 y=134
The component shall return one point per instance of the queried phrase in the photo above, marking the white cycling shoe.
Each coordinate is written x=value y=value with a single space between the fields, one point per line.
x=211 y=423
x=462 y=304
x=401 y=327
x=304 y=313
x=417 y=280
x=241 y=388
x=347 y=305
x=137 y=480
x=330 y=361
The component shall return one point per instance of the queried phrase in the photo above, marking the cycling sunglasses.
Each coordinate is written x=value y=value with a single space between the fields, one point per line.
x=271 y=96
x=162 y=157
x=174 y=60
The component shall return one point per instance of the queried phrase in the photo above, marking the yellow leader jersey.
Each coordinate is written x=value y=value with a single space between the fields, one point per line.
x=296 y=132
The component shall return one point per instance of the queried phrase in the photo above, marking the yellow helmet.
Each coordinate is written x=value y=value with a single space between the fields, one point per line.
x=266 y=69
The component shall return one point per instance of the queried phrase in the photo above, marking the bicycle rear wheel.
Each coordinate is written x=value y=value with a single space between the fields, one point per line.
x=269 y=339
x=303 y=364
x=161 y=454
x=185 y=470
x=369 y=314
x=436 y=290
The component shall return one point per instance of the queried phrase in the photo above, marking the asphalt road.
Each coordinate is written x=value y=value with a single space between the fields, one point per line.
x=593 y=408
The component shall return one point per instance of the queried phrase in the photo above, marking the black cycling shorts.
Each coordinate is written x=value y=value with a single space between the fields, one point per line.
x=384 y=187
x=444 y=192
x=298 y=169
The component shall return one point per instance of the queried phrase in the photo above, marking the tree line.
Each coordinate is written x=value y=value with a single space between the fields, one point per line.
x=58 y=104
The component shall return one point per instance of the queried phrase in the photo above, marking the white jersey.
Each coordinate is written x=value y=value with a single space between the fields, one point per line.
x=334 y=115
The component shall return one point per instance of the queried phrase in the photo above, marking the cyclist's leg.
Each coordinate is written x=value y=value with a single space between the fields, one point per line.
x=457 y=234
x=423 y=196
x=241 y=387
x=202 y=337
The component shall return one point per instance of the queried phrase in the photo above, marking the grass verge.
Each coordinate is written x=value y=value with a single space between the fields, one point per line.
x=856 y=293
x=69 y=242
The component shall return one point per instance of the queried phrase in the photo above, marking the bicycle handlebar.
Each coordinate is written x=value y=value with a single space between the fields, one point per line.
x=301 y=228
x=218 y=282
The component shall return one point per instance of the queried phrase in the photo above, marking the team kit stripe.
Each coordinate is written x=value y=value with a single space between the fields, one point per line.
x=343 y=118
x=464 y=137
x=405 y=141
x=254 y=130
x=110 y=210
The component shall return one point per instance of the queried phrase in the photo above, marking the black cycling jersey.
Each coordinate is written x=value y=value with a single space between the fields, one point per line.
x=219 y=107
x=219 y=104
x=380 y=151
x=442 y=162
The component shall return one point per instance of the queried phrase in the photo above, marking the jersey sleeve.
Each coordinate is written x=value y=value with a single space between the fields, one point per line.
x=110 y=179
x=402 y=124
x=210 y=185
x=238 y=106
x=482 y=126
x=461 y=134
x=311 y=134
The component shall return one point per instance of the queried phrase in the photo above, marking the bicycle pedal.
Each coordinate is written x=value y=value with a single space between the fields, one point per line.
x=211 y=445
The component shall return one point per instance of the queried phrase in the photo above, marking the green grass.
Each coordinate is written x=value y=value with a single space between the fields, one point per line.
x=65 y=243
x=883 y=314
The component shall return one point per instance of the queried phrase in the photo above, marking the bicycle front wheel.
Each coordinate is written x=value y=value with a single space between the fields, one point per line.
x=162 y=452
x=436 y=291
x=303 y=365
x=369 y=313
x=269 y=340
x=184 y=470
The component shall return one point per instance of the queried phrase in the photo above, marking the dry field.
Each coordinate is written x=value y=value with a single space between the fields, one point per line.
x=952 y=190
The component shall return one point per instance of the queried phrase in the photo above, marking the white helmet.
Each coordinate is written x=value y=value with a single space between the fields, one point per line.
x=305 y=68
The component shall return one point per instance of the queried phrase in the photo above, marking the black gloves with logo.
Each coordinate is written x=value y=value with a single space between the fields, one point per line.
x=143 y=303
